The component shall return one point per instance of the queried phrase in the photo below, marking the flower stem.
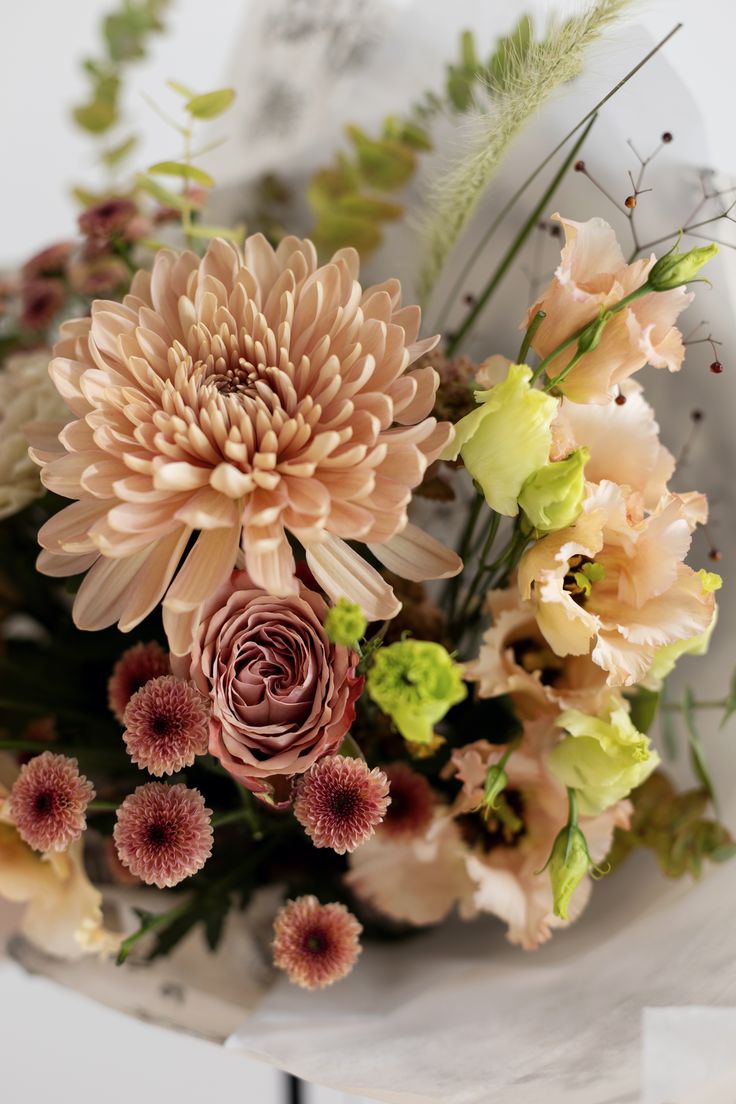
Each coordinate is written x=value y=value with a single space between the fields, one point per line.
x=453 y=585
x=231 y=817
x=511 y=253
x=102 y=807
x=532 y=328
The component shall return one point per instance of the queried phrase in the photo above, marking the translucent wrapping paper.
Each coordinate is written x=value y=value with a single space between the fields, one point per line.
x=457 y=1015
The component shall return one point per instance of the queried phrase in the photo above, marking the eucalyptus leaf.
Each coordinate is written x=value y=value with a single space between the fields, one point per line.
x=697 y=753
x=184 y=171
x=211 y=104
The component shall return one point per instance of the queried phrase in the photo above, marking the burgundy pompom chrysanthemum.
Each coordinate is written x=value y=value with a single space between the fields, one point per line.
x=412 y=803
x=166 y=725
x=339 y=802
x=133 y=670
x=163 y=833
x=315 y=944
x=48 y=802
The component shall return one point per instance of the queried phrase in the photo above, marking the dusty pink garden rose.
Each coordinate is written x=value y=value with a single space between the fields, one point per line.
x=592 y=274
x=281 y=694
x=647 y=596
x=240 y=397
x=515 y=659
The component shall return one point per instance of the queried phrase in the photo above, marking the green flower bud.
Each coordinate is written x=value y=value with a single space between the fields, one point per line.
x=496 y=782
x=591 y=335
x=568 y=864
x=415 y=682
x=675 y=269
x=345 y=623
x=603 y=758
x=552 y=497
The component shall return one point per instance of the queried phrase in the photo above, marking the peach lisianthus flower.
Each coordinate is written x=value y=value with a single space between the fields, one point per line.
x=643 y=597
x=643 y=463
x=514 y=659
x=592 y=274
x=240 y=397
x=63 y=910
x=458 y=863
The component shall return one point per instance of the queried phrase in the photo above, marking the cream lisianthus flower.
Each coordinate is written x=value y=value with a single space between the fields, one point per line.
x=593 y=274
x=622 y=440
x=227 y=401
x=615 y=583
x=506 y=439
x=27 y=396
x=515 y=660
x=602 y=758
x=63 y=910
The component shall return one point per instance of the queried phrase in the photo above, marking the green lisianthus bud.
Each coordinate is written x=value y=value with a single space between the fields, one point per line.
x=591 y=335
x=675 y=269
x=603 y=758
x=506 y=438
x=345 y=623
x=568 y=864
x=415 y=682
x=496 y=782
x=552 y=496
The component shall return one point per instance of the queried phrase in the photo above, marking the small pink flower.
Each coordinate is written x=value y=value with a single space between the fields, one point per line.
x=134 y=669
x=107 y=219
x=340 y=801
x=315 y=944
x=163 y=833
x=41 y=301
x=48 y=802
x=51 y=261
x=412 y=803
x=166 y=725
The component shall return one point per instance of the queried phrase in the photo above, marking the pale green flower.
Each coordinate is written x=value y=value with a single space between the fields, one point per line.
x=506 y=439
x=345 y=623
x=667 y=656
x=552 y=497
x=568 y=864
x=675 y=269
x=415 y=682
x=603 y=758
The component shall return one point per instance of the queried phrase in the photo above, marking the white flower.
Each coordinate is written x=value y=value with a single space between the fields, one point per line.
x=27 y=395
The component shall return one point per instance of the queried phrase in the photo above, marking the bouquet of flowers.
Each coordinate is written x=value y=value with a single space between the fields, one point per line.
x=397 y=624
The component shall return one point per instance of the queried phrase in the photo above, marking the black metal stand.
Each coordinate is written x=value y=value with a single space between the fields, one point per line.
x=294 y=1090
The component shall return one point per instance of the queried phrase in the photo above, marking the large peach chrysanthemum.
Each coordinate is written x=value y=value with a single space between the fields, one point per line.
x=238 y=398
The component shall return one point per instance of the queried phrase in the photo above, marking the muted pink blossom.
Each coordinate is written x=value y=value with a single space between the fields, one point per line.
x=315 y=944
x=163 y=833
x=412 y=803
x=134 y=668
x=340 y=801
x=48 y=802
x=166 y=725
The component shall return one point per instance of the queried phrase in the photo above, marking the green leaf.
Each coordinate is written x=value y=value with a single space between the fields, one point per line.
x=164 y=196
x=118 y=153
x=183 y=171
x=697 y=753
x=211 y=104
x=96 y=116
x=181 y=90
x=644 y=704
x=383 y=164
x=230 y=233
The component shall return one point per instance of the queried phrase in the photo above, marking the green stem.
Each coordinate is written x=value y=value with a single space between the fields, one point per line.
x=501 y=217
x=102 y=806
x=453 y=585
x=532 y=328
x=694 y=705
x=513 y=250
x=29 y=745
x=574 y=338
x=155 y=924
x=572 y=816
x=231 y=817
x=481 y=569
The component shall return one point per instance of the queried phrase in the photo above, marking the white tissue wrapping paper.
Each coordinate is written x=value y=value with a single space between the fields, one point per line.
x=456 y=1015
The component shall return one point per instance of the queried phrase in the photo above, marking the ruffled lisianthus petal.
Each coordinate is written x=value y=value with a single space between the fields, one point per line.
x=593 y=274
x=647 y=597
x=643 y=464
x=281 y=694
x=515 y=659
x=241 y=397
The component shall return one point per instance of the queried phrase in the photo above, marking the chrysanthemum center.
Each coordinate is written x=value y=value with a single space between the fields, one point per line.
x=159 y=834
x=315 y=942
x=44 y=802
x=343 y=802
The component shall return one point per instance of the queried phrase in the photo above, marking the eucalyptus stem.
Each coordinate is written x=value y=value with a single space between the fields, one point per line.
x=513 y=250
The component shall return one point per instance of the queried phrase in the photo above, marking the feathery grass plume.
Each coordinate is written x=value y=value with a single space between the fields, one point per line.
x=515 y=91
